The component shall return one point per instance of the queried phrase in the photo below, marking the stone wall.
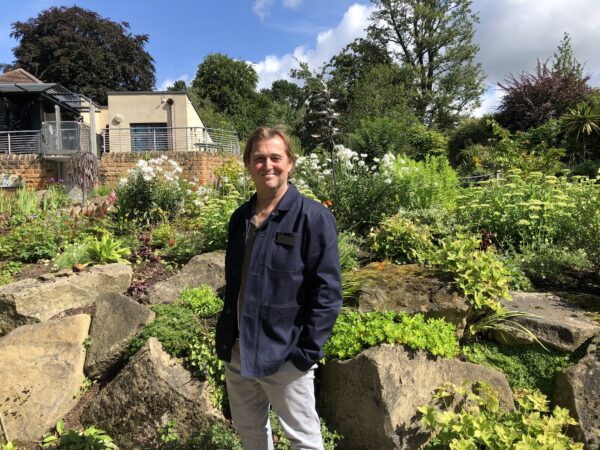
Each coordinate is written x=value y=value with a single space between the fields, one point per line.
x=36 y=171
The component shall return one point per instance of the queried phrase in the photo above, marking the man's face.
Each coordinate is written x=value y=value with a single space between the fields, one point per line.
x=269 y=164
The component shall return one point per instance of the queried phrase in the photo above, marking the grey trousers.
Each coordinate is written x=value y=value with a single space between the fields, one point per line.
x=290 y=392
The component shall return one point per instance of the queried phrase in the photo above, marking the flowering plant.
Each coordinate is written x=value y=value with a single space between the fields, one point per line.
x=359 y=197
x=151 y=192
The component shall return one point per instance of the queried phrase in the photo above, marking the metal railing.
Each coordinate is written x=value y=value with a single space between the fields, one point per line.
x=144 y=139
x=20 y=141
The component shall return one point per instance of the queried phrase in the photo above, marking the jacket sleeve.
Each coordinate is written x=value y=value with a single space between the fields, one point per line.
x=323 y=288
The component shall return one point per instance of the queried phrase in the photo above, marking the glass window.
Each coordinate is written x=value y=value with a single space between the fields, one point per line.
x=149 y=136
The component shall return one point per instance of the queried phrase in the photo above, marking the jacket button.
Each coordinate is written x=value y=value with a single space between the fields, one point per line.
x=224 y=346
x=228 y=311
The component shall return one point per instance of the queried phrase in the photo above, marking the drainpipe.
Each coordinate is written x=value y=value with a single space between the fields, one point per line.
x=170 y=130
x=59 y=142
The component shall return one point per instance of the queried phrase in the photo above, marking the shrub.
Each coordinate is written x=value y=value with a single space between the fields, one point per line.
x=214 y=219
x=431 y=183
x=473 y=131
x=378 y=136
x=354 y=332
x=424 y=142
x=525 y=367
x=162 y=235
x=402 y=241
x=480 y=422
x=8 y=270
x=481 y=275
x=151 y=192
x=184 y=247
x=30 y=242
x=558 y=266
x=74 y=253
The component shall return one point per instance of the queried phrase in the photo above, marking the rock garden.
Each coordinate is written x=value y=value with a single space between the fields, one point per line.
x=471 y=314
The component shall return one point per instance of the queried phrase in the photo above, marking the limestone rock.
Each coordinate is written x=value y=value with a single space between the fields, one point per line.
x=207 y=268
x=42 y=370
x=413 y=289
x=578 y=389
x=115 y=323
x=150 y=390
x=36 y=300
x=556 y=323
x=372 y=399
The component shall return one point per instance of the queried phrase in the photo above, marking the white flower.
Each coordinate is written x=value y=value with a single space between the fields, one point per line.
x=327 y=172
x=361 y=163
x=387 y=181
x=363 y=155
x=376 y=160
x=122 y=182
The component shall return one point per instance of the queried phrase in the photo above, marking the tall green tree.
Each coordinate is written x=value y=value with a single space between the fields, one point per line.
x=178 y=85
x=582 y=121
x=84 y=52
x=433 y=39
x=565 y=62
x=230 y=86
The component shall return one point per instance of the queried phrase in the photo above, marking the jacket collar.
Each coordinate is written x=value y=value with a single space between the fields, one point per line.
x=286 y=202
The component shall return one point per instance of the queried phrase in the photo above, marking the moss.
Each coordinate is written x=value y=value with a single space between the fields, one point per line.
x=529 y=367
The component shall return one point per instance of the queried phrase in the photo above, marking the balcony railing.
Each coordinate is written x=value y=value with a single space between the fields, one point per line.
x=20 y=141
x=144 y=139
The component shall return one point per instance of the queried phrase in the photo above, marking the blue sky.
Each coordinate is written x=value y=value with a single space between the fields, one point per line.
x=512 y=34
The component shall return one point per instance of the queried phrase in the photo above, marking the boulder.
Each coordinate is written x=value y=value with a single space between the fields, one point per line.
x=38 y=299
x=556 y=322
x=42 y=370
x=207 y=268
x=413 y=289
x=116 y=321
x=578 y=389
x=149 y=391
x=372 y=399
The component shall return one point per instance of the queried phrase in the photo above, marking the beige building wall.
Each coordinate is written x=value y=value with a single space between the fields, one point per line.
x=174 y=109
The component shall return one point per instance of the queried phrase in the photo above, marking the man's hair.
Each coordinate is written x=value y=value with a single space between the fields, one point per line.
x=262 y=133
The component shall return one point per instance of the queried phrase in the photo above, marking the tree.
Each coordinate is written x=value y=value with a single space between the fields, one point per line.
x=582 y=121
x=565 y=62
x=433 y=39
x=533 y=99
x=179 y=85
x=84 y=52
x=230 y=86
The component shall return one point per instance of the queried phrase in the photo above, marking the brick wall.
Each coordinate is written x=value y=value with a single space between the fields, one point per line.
x=36 y=171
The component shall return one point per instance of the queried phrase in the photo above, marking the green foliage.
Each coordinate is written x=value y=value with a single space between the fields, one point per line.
x=355 y=332
x=431 y=183
x=103 y=55
x=74 y=253
x=470 y=132
x=107 y=250
x=214 y=219
x=8 y=270
x=281 y=442
x=202 y=300
x=482 y=423
x=151 y=193
x=184 y=247
x=162 y=235
x=533 y=209
x=30 y=242
x=525 y=367
x=168 y=433
x=425 y=142
x=481 y=275
x=90 y=439
x=217 y=436
x=378 y=136
x=402 y=240
x=348 y=250
x=8 y=446
x=546 y=264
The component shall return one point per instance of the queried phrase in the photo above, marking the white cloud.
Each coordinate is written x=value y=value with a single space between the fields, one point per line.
x=489 y=101
x=261 y=8
x=328 y=43
x=169 y=82
x=293 y=4
x=514 y=34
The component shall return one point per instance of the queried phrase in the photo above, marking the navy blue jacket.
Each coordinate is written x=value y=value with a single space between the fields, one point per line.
x=293 y=289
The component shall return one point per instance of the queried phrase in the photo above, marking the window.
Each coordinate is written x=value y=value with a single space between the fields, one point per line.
x=149 y=136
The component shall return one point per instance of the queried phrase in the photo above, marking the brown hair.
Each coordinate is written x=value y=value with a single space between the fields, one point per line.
x=262 y=133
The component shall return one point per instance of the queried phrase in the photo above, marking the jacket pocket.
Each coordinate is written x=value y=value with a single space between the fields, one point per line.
x=279 y=332
x=286 y=253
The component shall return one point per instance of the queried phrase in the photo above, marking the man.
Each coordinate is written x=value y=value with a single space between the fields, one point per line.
x=282 y=297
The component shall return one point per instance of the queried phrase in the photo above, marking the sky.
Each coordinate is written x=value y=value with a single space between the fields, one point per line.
x=273 y=34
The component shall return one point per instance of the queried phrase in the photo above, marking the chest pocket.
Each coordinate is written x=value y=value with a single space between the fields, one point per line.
x=286 y=252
